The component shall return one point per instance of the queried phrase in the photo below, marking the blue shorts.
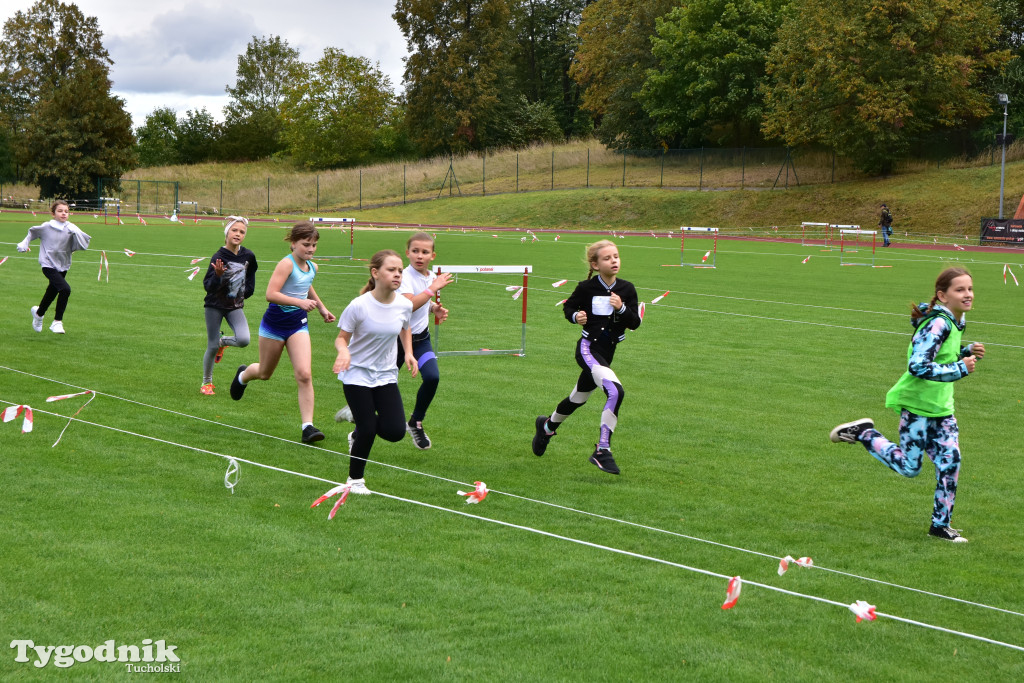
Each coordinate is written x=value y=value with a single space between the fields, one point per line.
x=279 y=324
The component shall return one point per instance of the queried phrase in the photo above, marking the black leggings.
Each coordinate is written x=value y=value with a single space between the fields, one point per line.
x=58 y=289
x=377 y=411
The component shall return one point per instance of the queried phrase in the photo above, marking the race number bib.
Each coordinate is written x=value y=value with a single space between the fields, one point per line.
x=602 y=305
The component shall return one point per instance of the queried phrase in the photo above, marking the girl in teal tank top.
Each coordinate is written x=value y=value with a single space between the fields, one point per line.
x=923 y=397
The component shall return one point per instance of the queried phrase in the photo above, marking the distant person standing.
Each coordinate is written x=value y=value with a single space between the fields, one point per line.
x=58 y=239
x=885 y=224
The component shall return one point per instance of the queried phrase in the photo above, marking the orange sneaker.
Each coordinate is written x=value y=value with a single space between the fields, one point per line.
x=220 y=354
x=207 y=389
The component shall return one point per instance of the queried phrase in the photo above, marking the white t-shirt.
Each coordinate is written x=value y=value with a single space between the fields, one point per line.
x=374 y=344
x=414 y=282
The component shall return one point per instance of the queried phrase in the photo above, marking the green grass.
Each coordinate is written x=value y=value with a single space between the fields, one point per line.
x=732 y=384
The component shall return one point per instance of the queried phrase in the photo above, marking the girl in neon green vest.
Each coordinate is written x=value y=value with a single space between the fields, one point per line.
x=923 y=397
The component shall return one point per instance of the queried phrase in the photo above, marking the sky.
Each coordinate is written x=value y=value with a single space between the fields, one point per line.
x=183 y=55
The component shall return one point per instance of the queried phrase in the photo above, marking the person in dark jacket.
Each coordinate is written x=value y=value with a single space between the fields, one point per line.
x=885 y=224
x=605 y=306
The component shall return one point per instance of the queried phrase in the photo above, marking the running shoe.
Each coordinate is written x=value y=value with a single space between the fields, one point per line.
x=37 y=320
x=57 y=327
x=220 y=354
x=541 y=437
x=358 y=487
x=237 y=388
x=946 y=533
x=311 y=434
x=849 y=432
x=344 y=415
x=602 y=457
x=206 y=389
x=419 y=437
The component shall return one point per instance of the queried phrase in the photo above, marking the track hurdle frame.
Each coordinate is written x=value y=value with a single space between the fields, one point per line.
x=455 y=270
x=811 y=241
x=857 y=232
x=682 y=247
x=350 y=222
x=106 y=201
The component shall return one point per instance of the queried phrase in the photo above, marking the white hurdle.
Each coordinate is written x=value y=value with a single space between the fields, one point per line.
x=350 y=222
x=711 y=253
x=854 y=230
x=809 y=240
x=455 y=270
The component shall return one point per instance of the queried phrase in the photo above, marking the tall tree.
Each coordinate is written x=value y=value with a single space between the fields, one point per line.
x=77 y=133
x=710 y=69
x=40 y=47
x=252 y=127
x=197 y=135
x=460 y=91
x=611 y=64
x=158 y=138
x=868 y=78
x=337 y=111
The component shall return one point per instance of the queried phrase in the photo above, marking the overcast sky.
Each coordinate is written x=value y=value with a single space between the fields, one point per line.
x=183 y=55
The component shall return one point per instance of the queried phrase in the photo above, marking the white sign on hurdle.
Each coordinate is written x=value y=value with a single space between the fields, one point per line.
x=498 y=270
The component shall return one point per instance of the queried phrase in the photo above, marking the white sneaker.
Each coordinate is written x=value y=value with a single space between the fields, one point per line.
x=357 y=486
x=344 y=415
x=57 y=327
x=37 y=320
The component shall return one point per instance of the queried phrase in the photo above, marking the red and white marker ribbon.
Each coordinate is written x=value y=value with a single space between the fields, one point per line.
x=1006 y=269
x=477 y=495
x=556 y=237
x=554 y=284
x=196 y=260
x=958 y=247
x=232 y=475
x=643 y=309
x=704 y=259
x=141 y=219
x=561 y=302
x=806 y=260
x=4 y=260
x=343 y=489
x=192 y=272
x=732 y=594
x=659 y=298
x=518 y=292
x=104 y=262
x=129 y=252
x=788 y=560
x=863 y=610
x=51 y=399
x=14 y=411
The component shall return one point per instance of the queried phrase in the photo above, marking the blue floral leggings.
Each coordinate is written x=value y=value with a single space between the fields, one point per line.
x=939 y=437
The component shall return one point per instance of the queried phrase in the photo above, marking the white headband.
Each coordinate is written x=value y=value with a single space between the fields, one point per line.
x=235 y=219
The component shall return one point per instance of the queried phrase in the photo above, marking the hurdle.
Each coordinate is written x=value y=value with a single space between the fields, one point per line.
x=456 y=270
x=810 y=241
x=710 y=254
x=854 y=230
x=107 y=202
x=331 y=222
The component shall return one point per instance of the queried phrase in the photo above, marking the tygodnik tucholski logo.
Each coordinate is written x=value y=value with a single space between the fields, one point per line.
x=152 y=656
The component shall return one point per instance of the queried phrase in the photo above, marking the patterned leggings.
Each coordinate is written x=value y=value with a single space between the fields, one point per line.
x=939 y=437
x=595 y=361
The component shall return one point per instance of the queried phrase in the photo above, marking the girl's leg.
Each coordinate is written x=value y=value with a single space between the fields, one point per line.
x=59 y=289
x=944 y=451
x=390 y=412
x=364 y=414
x=300 y=351
x=213 y=318
x=239 y=329
x=270 y=356
x=906 y=458
x=431 y=376
x=578 y=396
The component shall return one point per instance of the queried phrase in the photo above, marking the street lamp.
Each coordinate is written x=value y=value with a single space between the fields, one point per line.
x=1004 y=100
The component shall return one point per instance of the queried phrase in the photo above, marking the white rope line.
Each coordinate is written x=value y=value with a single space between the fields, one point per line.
x=549 y=534
x=540 y=502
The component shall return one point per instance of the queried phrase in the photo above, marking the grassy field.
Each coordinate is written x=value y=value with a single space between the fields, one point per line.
x=125 y=530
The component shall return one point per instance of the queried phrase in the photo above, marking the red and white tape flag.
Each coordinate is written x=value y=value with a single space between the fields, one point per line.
x=192 y=272
x=343 y=489
x=704 y=259
x=957 y=247
x=129 y=252
x=104 y=262
x=14 y=411
x=659 y=298
x=518 y=292
x=732 y=593
x=806 y=260
x=477 y=494
x=643 y=309
x=788 y=560
x=1006 y=269
x=557 y=237
x=141 y=219
x=196 y=260
x=561 y=302
x=555 y=284
x=863 y=610
x=4 y=260
x=51 y=399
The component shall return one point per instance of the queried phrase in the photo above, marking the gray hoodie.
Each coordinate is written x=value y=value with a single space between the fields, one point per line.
x=56 y=243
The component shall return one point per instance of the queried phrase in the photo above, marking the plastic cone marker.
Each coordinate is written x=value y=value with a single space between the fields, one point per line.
x=477 y=495
x=732 y=593
x=343 y=489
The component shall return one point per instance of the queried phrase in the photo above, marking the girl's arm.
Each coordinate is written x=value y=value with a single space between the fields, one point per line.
x=328 y=316
x=926 y=343
x=629 y=313
x=32 y=235
x=573 y=308
x=250 y=276
x=344 y=358
x=424 y=297
x=406 y=337
x=976 y=349
x=280 y=275
x=211 y=282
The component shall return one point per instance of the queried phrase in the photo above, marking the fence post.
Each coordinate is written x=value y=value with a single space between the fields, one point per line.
x=483 y=165
x=220 y=205
x=661 y=182
x=552 y=168
x=743 y=167
x=833 y=167
x=623 y=168
x=403 y=183
x=700 y=181
x=138 y=196
x=588 y=168
x=176 y=197
x=360 y=189
x=318 y=193
x=517 y=171
x=268 y=195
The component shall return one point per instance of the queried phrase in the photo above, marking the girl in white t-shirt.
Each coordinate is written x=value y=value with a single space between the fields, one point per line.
x=367 y=361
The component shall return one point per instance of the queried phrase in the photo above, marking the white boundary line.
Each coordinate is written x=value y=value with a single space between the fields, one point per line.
x=520 y=527
x=537 y=501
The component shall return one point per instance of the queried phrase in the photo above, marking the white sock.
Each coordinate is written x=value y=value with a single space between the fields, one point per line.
x=307 y=424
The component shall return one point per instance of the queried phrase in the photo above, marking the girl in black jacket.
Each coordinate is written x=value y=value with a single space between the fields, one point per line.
x=605 y=305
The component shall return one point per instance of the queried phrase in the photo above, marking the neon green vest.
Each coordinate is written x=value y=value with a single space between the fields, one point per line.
x=922 y=396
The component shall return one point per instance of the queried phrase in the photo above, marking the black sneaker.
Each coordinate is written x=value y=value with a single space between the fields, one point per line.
x=237 y=388
x=311 y=434
x=602 y=457
x=419 y=437
x=946 y=533
x=850 y=431
x=541 y=437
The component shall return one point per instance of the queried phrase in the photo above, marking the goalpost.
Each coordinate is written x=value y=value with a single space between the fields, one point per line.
x=477 y=319
x=710 y=254
x=333 y=222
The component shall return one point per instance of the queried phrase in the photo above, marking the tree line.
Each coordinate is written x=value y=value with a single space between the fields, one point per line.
x=872 y=80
